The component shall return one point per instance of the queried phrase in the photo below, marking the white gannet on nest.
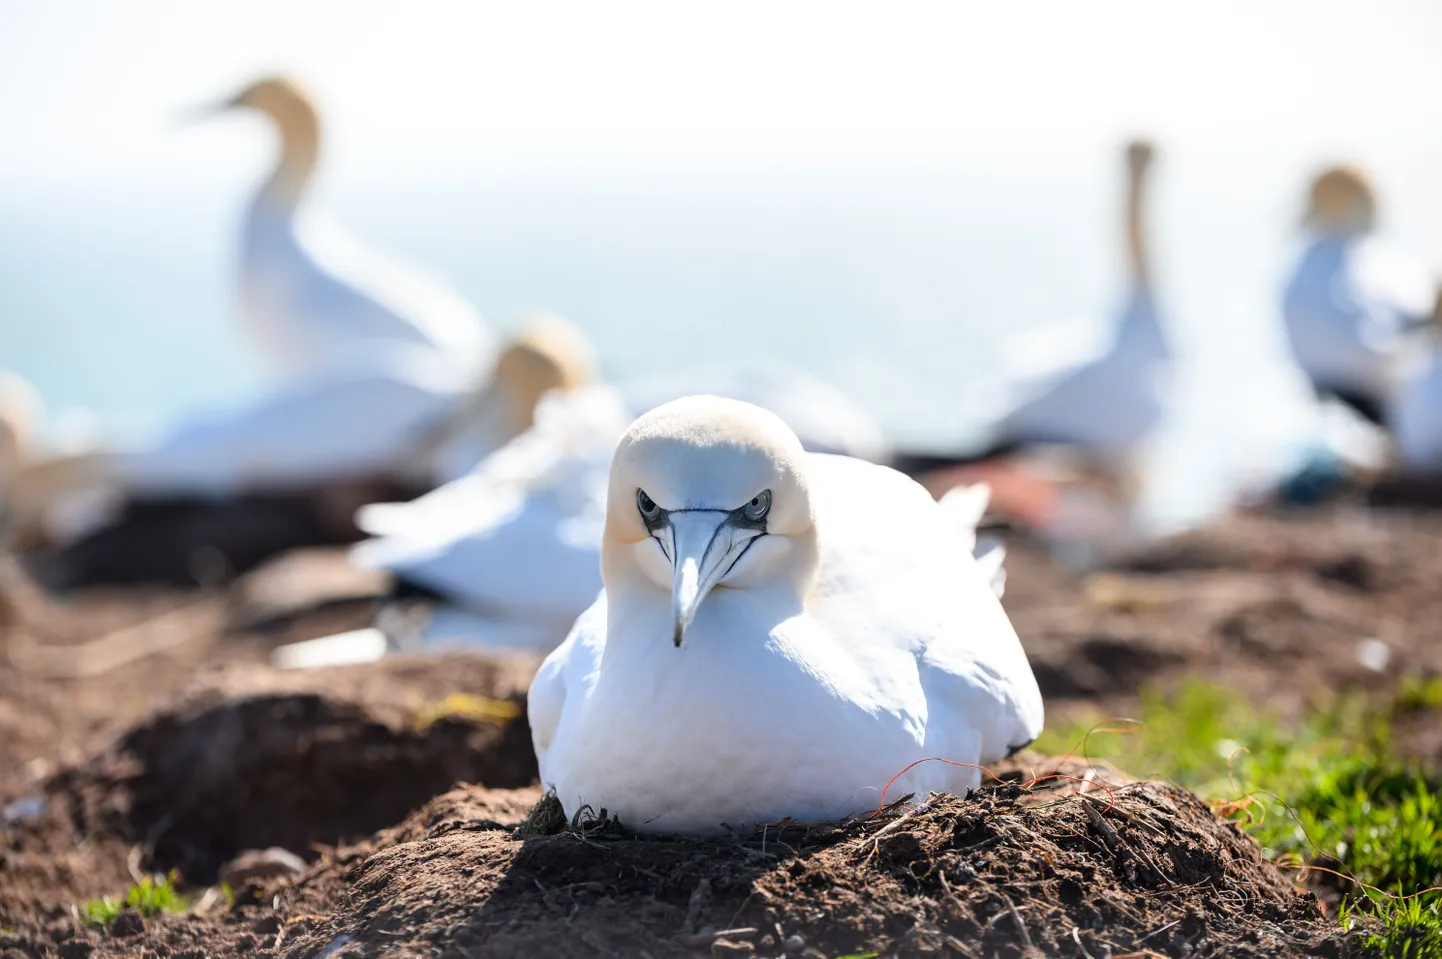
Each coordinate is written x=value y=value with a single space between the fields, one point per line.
x=511 y=552
x=781 y=633
x=404 y=416
x=1352 y=304
x=308 y=291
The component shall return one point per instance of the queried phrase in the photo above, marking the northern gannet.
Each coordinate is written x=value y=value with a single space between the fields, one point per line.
x=781 y=633
x=1104 y=398
x=402 y=419
x=308 y=291
x=1352 y=304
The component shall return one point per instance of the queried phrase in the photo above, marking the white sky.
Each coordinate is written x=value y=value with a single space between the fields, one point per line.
x=87 y=86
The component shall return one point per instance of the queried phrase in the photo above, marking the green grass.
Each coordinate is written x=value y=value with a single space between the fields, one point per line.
x=148 y=897
x=1328 y=791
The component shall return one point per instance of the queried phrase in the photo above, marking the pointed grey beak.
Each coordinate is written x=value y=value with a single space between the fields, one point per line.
x=705 y=544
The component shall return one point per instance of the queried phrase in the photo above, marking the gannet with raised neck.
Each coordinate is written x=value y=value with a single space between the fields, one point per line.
x=1103 y=398
x=308 y=291
x=1352 y=304
x=780 y=634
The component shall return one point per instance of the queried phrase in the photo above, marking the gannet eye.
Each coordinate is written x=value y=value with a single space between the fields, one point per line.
x=756 y=510
x=647 y=506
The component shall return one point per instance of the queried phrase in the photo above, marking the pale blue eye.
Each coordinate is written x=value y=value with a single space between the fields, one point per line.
x=757 y=509
x=647 y=505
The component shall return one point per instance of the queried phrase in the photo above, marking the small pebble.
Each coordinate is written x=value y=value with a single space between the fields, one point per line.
x=1374 y=654
x=794 y=944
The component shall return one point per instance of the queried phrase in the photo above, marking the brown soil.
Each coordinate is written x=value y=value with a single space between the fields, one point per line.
x=189 y=755
x=1277 y=607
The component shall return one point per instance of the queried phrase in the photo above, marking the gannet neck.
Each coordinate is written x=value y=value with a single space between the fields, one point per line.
x=705 y=495
x=299 y=153
x=1139 y=160
x=547 y=354
x=290 y=108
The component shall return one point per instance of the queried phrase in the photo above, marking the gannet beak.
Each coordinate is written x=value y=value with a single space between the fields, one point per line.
x=204 y=111
x=705 y=544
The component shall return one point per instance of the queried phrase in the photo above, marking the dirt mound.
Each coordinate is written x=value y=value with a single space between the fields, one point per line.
x=1005 y=872
x=263 y=760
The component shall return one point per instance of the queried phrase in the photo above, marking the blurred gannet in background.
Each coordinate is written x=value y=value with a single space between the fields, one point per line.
x=1416 y=409
x=510 y=553
x=826 y=420
x=1352 y=304
x=1076 y=409
x=308 y=291
x=404 y=418
x=1104 y=400
x=780 y=634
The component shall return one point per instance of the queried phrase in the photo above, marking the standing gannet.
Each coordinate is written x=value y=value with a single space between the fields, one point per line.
x=1104 y=400
x=1352 y=303
x=825 y=419
x=780 y=634
x=308 y=291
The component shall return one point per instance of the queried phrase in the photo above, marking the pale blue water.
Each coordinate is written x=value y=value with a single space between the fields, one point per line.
x=899 y=287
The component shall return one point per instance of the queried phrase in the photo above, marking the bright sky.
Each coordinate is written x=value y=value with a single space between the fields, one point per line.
x=87 y=86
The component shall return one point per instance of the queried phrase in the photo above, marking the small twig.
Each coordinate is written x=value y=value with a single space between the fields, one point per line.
x=1116 y=844
x=1016 y=918
x=1155 y=931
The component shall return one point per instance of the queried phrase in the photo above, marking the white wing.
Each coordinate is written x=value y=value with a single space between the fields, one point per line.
x=350 y=422
x=564 y=677
x=522 y=533
x=1383 y=275
x=1103 y=395
x=895 y=565
x=310 y=290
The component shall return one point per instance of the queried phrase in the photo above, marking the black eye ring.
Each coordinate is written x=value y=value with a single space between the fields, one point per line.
x=760 y=505
x=647 y=506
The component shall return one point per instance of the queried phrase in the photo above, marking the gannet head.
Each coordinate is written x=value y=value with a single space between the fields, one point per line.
x=708 y=493
x=289 y=106
x=281 y=98
x=548 y=353
x=1342 y=202
x=1140 y=153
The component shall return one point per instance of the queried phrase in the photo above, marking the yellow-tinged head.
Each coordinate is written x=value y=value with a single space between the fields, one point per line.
x=708 y=493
